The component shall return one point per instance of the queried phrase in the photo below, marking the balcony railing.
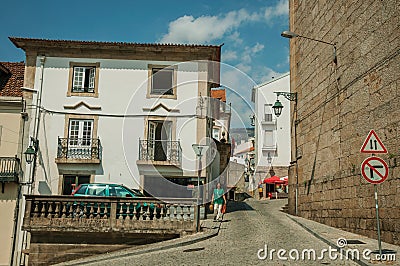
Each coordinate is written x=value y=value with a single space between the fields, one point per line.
x=79 y=149
x=108 y=214
x=160 y=150
x=10 y=169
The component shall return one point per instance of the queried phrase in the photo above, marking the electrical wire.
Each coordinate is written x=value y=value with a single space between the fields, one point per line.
x=112 y=115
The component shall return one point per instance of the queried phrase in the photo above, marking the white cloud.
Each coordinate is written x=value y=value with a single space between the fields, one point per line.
x=229 y=55
x=235 y=38
x=206 y=29
x=263 y=74
x=280 y=9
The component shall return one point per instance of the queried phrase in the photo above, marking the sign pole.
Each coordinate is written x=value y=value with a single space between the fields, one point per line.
x=377 y=220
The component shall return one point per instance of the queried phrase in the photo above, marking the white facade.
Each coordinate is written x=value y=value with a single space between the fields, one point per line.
x=113 y=102
x=272 y=133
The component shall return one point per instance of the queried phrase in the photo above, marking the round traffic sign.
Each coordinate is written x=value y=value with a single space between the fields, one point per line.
x=374 y=170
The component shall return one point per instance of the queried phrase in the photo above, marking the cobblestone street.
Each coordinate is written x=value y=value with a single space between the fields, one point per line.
x=247 y=228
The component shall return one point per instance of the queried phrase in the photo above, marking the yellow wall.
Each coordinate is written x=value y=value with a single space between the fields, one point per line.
x=7 y=206
x=9 y=137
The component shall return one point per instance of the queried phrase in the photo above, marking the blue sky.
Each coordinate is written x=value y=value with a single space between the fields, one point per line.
x=250 y=31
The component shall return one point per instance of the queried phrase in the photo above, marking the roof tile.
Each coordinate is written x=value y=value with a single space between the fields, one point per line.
x=11 y=78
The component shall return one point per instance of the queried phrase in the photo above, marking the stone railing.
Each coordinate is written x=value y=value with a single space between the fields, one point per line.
x=109 y=214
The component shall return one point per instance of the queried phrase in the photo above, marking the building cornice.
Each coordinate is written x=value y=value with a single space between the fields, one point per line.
x=118 y=50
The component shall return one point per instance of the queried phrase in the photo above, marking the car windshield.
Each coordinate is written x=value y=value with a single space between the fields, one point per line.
x=81 y=190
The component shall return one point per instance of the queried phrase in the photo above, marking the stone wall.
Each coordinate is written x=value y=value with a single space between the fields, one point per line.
x=338 y=104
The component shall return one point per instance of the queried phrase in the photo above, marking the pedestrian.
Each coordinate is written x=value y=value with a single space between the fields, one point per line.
x=218 y=199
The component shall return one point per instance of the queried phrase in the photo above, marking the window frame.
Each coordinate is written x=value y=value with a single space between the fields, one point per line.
x=72 y=66
x=150 y=93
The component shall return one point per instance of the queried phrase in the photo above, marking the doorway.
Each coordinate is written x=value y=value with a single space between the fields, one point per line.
x=71 y=182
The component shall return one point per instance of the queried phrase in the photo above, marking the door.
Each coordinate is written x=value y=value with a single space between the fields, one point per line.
x=71 y=182
x=151 y=140
x=80 y=139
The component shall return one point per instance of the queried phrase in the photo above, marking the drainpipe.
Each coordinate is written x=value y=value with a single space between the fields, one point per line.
x=36 y=124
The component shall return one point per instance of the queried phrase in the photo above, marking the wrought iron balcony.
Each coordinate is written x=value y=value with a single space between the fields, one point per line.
x=10 y=169
x=160 y=150
x=78 y=150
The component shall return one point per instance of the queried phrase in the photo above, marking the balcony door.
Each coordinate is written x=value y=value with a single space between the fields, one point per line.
x=80 y=138
x=71 y=182
x=159 y=140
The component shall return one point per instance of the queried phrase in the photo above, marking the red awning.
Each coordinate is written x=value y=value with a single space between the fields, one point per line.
x=273 y=180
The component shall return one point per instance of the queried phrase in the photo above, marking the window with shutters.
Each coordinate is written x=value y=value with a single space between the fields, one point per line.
x=83 y=79
x=162 y=82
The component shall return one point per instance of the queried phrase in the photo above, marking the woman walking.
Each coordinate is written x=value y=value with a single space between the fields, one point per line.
x=218 y=199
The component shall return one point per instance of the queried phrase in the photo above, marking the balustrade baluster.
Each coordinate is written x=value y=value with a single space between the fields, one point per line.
x=91 y=211
x=175 y=212
x=36 y=209
x=121 y=212
x=168 y=217
x=134 y=217
x=50 y=210
x=182 y=214
x=64 y=210
x=57 y=211
x=85 y=210
x=43 y=210
x=128 y=211
x=77 y=211
x=70 y=210
x=98 y=211
x=148 y=212
x=162 y=206
x=105 y=211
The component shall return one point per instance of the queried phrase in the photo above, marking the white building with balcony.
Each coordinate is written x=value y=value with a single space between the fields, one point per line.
x=124 y=113
x=272 y=134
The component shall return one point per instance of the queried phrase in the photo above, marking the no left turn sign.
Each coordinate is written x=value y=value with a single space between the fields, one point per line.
x=374 y=170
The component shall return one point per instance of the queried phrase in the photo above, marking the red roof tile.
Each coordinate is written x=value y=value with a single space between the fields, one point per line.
x=219 y=94
x=11 y=78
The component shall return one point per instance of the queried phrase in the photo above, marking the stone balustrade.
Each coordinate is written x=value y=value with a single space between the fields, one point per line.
x=109 y=214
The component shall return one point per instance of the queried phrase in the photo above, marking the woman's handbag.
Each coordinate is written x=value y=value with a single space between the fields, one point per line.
x=223 y=210
x=211 y=207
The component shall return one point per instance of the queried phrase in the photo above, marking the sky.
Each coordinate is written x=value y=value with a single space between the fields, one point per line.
x=253 y=50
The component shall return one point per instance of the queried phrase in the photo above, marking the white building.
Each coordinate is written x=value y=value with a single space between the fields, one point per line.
x=272 y=134
x=118 y=113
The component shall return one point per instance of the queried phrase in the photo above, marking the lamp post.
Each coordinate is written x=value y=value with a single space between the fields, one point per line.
x=277 y=107
x=199 y=150
x=290 y=35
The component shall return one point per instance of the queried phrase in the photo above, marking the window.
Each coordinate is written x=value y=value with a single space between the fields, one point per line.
x=83 y=79
x=80 y=139
x=216 y=133
x=267 y=113
x=162 y=82
x=268 y=138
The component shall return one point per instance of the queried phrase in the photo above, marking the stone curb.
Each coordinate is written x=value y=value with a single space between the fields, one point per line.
x=326 y=241
x=163 y=245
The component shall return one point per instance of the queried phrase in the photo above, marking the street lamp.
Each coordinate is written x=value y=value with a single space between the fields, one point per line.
x=252 y=120
x=199 y=150
x=290 y=35
x=31 y=151
x=277 y=107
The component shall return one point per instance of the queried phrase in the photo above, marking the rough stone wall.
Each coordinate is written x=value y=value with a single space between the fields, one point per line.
x=338 y=104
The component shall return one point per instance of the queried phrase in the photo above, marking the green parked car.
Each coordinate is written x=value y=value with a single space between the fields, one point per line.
x=110 y=190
